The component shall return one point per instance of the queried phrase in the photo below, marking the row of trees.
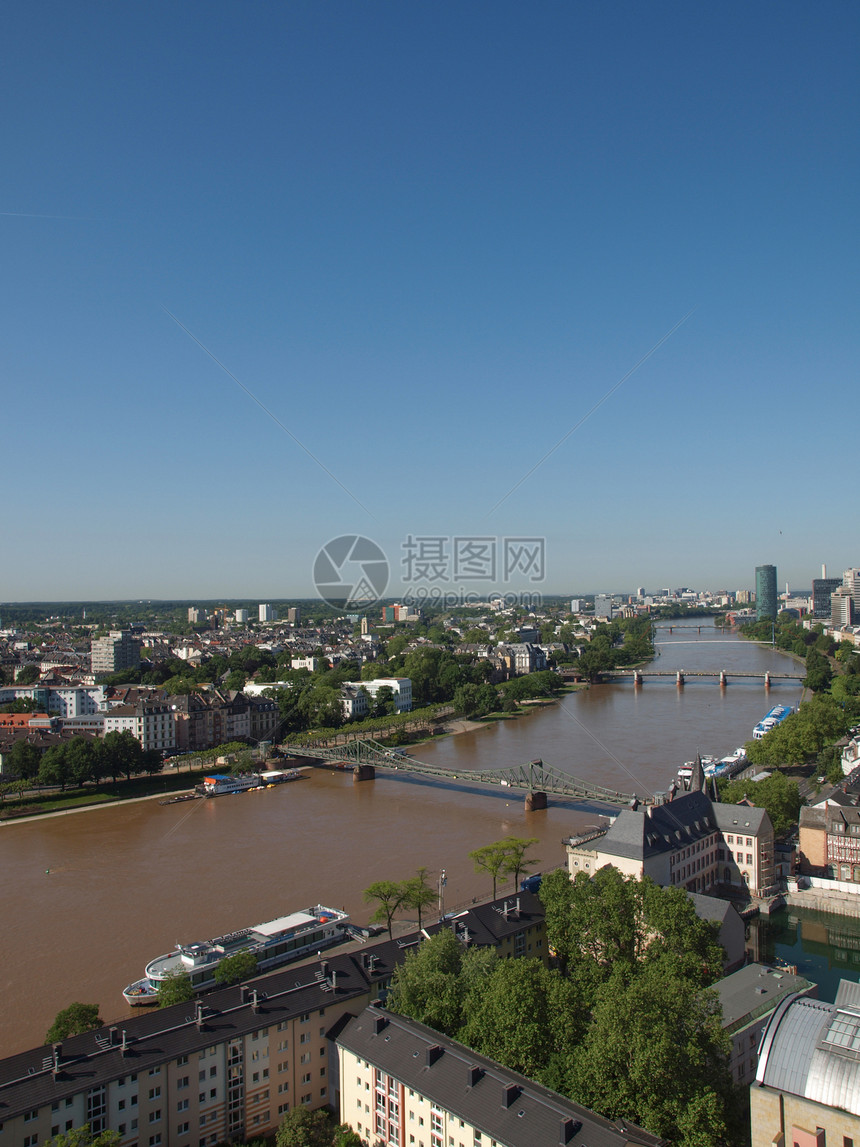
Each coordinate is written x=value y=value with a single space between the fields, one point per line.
x=499 y=860
x=624 y=1023
x=82 y=759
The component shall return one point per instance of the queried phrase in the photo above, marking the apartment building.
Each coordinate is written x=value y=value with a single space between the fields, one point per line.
x=119 y=650
x=232 y=1063
x=404 y=1083
x=150 y=722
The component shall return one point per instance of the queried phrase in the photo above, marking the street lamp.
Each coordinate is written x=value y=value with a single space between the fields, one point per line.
x=443 y=880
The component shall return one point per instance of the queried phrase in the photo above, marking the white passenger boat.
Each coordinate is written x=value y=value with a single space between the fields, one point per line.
x=273 y=943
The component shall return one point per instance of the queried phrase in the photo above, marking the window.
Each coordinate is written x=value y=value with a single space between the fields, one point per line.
x=155 y=1071
x=181 y=1083
x=154 y=1092
x=306 y=1078
x=306 y=1058
x=31 y=1140
x=182 y=1105
x=201 y=1075
x=305 y=1037
x=154 y=1140
x=154 y=1116
x=29 y=1116
x=182 y=1128
x=181 y=1062
x=213 y=1071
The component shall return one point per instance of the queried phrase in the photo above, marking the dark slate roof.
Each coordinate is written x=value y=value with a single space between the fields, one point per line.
x=735 y=818
x=713 y=907
x=507 y=1106
x=643 y=832
x=27 y=1081
x=753 y=991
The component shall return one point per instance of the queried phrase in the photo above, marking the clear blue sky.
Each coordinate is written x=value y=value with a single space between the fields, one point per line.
x=429 y=238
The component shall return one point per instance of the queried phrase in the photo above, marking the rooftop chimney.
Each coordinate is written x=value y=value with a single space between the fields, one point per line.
x=476 y=1074
x=509 y=1093
x=380 y=1023
x=57 y=1049
x=567 y=1130
x=255 y=1000
x=433 y=1053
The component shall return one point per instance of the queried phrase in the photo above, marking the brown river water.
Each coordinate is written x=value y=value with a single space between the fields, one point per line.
x=129 y=881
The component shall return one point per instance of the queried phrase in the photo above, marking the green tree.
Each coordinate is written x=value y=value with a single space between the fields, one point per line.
x=492 y=859
x=517 y=862
x=527 y=1017
x=83 y=1137
x=175 y=988
x=302 y=1127
x=779 y=796
x=28 y=675
x=24 y=760
x=433 y=981
x=418 y=894
x=818 y=671
x=610 y=924
x=234 y=969
x=344 y=1136
x=656 y=1054
x=54 y=767
x=388 y=895
x=76 y=1019
x=122 y=754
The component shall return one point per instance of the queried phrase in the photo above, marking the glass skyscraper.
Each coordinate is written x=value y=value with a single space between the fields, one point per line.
x=766 y=601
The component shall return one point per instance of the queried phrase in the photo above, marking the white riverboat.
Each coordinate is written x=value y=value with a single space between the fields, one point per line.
x=274 y=943
x=221 y=784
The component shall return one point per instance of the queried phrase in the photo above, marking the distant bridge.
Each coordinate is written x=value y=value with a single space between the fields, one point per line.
x=680 y=675
x=534 y=778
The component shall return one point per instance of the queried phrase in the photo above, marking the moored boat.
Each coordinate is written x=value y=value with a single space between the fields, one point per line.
x=274 y=943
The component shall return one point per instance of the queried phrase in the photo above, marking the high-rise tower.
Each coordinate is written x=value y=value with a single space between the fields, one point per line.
x=765 y=593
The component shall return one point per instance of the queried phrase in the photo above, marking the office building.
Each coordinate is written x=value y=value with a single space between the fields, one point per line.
x=241 y=616
x=603 y=606
x=842 y=607
x=766 y=600
x=851 y=582
x=267 y=613
x=822 y=588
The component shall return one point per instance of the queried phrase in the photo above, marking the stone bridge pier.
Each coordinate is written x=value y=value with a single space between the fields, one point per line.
x=535 y=801
x=363 y=773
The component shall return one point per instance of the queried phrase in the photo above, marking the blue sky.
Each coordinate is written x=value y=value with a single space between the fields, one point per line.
x=428 y=239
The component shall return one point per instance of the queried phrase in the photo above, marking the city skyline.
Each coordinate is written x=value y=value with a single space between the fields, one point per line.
x=281 y=274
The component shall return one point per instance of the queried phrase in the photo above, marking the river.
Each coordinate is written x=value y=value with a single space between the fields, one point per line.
x=87 y=899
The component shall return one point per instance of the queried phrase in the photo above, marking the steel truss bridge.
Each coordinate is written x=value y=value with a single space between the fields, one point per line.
x=532 y=777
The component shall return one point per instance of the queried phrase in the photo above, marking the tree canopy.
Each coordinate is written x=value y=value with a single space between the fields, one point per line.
x=234 y=969
x=175 y=988
x=777 y=794
x=74 y=1020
